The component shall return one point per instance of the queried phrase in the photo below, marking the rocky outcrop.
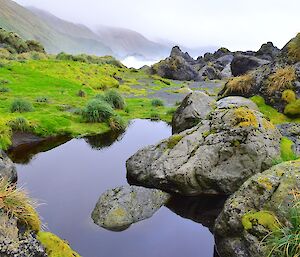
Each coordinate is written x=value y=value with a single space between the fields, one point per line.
x=118 y=208
x=242 y=64
x=251 y=213
x=17 y=242
x=268 y=52
x=215 y=157
x=7 y=168
x=194 y=108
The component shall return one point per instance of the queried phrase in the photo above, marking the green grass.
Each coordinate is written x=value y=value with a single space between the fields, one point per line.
x=274 y=116
x=285 y=240
x=287 y=153
x=59 y=82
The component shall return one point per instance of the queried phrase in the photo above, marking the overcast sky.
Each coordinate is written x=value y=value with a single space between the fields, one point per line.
x=235 y=24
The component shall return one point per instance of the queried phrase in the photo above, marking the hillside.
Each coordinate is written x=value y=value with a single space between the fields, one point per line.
x=16 y=18
x=123 y=42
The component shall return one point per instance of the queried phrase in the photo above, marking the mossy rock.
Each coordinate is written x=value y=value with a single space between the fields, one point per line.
x=55 y=246
x=256 y=210
x=293 y=109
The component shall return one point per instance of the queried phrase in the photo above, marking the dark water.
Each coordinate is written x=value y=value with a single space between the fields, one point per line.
x=70 y=178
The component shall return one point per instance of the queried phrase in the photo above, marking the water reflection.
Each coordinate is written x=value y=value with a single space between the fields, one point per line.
x=71 y=177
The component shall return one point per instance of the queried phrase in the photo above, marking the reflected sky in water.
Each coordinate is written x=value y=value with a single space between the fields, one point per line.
x=69 y=180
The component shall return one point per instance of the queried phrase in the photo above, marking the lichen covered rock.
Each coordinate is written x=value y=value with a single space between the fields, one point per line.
x=254 y=210
x=215 y=157
x=118 y=208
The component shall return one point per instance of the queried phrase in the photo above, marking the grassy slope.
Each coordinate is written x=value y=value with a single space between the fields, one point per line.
x=60 y=81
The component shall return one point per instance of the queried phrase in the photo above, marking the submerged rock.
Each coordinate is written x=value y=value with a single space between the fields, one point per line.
x=215 y=157
x=7 y=168
x=194 y=108
x=118 y=208
x=252 y=212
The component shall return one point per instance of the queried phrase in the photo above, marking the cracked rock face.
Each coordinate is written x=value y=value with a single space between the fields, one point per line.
x=7 y=168
x=118 y=208
x=240 y=228
x=215 y=157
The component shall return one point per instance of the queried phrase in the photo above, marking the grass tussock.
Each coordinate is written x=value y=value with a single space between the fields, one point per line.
x=240 y=84
x=21 y=105
x=16 y=203
x=281 y=80
x=157 y=102
x=117 y=123
x=20 y=124
x=285 y=241
x=97 y=111
x=115 y=99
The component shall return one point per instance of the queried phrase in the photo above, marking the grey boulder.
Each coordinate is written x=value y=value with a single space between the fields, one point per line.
x=7 y=168
x=215 y=157
x=118 y=208
x=194 y=108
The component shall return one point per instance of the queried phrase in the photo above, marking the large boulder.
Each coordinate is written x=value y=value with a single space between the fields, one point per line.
x=7 y=168
x=251 y=213
x=215 y=157
x=15 y=241
x=118 y=208
x=242 y=64
x=209 y=72
x=194 y=108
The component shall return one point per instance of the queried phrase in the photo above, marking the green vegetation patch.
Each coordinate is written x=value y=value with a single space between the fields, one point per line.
x=293 y=109
x=287 y=152
x=294 y=49
x=173 y=141
x=288 y=96
x=265 y=218
x=157 y=102
x=55 y=247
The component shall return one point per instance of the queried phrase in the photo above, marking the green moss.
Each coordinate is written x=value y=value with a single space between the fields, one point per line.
x=55 y=247
x=293 y=109
x=174 y=140
x=245 y=117
x=272 y=114
x=264 y=218
x=287 y=153
x=288 y=96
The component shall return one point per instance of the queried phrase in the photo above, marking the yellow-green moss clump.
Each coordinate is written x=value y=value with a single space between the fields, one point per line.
x=294 y=49
x=174 y=140
x=240 y=84
x=55 y=247
x=245 y=117
x=281 y=80
x=293 y=109
x=286 y=147
x=288 y=96
x=263 y=218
